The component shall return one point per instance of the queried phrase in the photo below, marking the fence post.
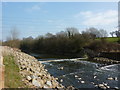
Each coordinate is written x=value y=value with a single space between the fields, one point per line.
x=2 y=68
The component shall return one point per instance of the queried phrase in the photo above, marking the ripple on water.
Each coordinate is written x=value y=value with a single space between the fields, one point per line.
x=85 y=71
x=113 y=67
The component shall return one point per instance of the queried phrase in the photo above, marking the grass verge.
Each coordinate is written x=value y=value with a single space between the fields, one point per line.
x=110 y=39
x=13 y=78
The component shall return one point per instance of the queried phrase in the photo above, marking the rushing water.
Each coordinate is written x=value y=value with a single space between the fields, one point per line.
x=83 y=74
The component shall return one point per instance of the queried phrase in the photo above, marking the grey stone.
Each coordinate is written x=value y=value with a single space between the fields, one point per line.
x=94 y=77
x=49 y=83
x=76 y=76
x=79 y=78
x=110 y=78
x=82 y=81
x=61 y=68
x=61 y=80
x=29 y=78
x=36 y=83
x=101 y=86
x=45 y=86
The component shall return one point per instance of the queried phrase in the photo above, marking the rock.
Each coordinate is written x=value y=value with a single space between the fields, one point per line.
x=79 y=78
x=94 y=77
x=108 y=86
x=23 y=67
x=101 y=86
x=46 y=70
x=70 y=88
x=116 y=79
x=64 y=75
x=116 y=88
x=49 y=83
x=29 y=78
x=96 y=85
x=61 y=68
x=54 y=83
x=76 y=76
x=82 y=81
x=36 y=83
x=61 y=80
x=45 y=86
x=110 y=78
x=33 y=72
x=92 y=82
x=56 y=78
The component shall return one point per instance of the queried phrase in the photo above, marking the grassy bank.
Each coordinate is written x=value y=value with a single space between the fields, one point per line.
x=12 y=77
x=110 y=39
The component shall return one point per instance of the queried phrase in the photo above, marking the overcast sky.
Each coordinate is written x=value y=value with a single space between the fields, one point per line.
x=33 y=19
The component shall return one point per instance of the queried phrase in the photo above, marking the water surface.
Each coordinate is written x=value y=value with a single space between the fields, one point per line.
x=82 y=73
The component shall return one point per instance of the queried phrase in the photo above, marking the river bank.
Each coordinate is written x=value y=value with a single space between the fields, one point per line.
x=61 y=73
x=82 y=72
x=32 y=71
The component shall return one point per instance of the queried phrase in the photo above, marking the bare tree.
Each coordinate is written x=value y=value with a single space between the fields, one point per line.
x=96 y=32
x=12 y=39
x=71 y=31
x=14 y=33
x=112 y=33
x=48 y=35
x=117 y=33
x=61 y=34
x=103 y=33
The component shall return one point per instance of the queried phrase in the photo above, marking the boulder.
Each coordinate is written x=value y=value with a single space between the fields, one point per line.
x=76 y=76
x=82 y=81
x=101 y=86
x=61 y=80
x=45 y=86
x=36 y=83
x=49 y=83
x=110 y=78
x=79 y=78
x=29 y=78
x=61 y=68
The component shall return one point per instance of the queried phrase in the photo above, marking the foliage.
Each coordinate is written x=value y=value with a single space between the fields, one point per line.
x=12 y=43
x=68 y=42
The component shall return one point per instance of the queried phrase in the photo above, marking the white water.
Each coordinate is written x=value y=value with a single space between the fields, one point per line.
x=59 y=60
x=113 y=67
x=85 y=70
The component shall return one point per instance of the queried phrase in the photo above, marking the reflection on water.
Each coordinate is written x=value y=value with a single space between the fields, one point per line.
x=83 y=74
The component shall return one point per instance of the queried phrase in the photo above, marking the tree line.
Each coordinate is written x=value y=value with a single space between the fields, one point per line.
x=68 y=42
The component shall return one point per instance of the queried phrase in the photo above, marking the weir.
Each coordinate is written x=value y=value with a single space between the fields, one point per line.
x=57 y=60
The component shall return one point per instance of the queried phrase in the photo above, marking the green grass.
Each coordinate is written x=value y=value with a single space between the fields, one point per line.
x=12 y=77
x=111 y=39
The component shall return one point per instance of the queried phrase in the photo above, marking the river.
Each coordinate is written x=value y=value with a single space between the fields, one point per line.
x=82 y=73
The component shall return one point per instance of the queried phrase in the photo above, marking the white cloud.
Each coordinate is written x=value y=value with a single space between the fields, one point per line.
x=87 y=14
x=102 y=18
x=33 y=8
